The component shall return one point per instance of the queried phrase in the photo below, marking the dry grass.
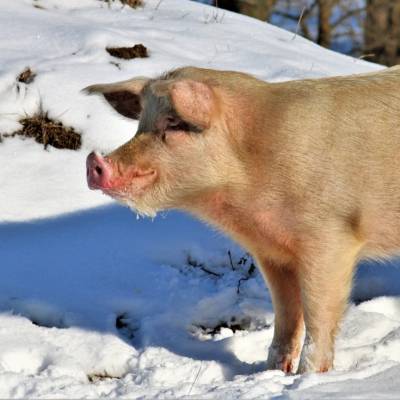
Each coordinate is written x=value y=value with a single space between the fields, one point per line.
x=129 y=3
x=233 y=324
x=127 y=53
x=26 y=76
x=102 y=376
x=48 y=132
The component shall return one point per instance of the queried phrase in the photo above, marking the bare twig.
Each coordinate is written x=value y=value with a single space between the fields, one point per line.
x=301 y=19
x=286 y=15
x=230 y=260
x=246 y=278
x=209 y=271
x=348 y=14
x=298 y=23
x=158 y=5
x=195 y=264
x=369 y=55
x=214 y=16
x=196 y=378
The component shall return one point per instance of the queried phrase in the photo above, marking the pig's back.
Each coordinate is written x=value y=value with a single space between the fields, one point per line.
x=339 y=143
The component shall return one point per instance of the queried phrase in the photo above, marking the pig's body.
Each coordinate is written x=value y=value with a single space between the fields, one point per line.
x=304 y=174
x=328 y=149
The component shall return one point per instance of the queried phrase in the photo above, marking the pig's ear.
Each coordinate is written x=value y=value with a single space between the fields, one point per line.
x=123 y=96
x=194 y=101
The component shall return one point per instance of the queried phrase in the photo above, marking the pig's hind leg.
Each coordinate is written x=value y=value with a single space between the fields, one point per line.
x=286 y=345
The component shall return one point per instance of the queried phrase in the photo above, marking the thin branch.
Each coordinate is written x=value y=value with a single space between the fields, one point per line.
x=195 y=264
x=195 y=379
x=286 y=15
x=343 y=17
x=158 y=5
x=209 y=271
x=369 y=55
x=298 y=23
x=230 y=260
x=300 y=19
x=246 y=278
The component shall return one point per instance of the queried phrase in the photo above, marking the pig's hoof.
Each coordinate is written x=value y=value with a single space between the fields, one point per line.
x=286 y=362
x=314 y=359
x=304 y=369
x=306 y=365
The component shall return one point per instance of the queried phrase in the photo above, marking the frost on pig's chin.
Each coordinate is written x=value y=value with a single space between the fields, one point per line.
x=138 y=206
x=140 y=210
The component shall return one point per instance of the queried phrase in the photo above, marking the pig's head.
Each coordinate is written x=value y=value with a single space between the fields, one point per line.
x=181 y=149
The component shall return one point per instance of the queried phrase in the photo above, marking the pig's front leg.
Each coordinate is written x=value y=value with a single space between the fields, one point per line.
x=288 y=331
x=325 y=273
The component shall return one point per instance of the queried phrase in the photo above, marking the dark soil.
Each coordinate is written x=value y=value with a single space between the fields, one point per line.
x=26 y=76
x=102 y=376
x=49 y=132
x=129 y=3
x=132 y=3
x=126 y=326
x=127 y=53
x=233 y=324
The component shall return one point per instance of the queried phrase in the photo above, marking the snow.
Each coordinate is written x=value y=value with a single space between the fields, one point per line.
x=97 y=303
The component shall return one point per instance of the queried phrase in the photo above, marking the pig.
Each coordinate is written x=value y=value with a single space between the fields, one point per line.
x=303 y=174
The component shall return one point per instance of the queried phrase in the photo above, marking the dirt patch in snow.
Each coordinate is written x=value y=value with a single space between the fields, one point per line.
x=48 y=132
x=209 y=330
x=233 y=324
x=129 y=3
x=126 y=326
x=128 y=53
x=26 y=76
x=102 y=376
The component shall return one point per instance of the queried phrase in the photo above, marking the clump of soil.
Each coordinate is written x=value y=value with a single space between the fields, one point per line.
x=26 y=76
x=234 y=325
x=132 y=3
x=49 y=132
x=127 y=53
x=129 y=3
x=101 y=376
x=126 y=325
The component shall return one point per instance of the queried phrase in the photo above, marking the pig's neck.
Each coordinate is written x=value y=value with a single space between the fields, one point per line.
x=263 y=231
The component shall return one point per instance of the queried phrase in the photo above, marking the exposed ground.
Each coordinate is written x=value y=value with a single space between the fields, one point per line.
x=128 y=53
x=49 y=132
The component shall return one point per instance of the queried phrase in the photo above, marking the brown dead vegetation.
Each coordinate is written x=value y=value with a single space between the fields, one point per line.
x=48 y=132
x=26 y=76
x=128 y=53
x=129 y=3
x=233 y=324
x=126 y=326
x=101 y=376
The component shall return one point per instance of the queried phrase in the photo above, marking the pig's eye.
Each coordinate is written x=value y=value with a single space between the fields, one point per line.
x=176 y=124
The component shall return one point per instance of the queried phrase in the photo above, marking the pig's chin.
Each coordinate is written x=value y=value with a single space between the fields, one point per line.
x=133 y=199
x=141 y=209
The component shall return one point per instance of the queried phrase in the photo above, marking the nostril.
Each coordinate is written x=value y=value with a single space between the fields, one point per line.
x=98 y=170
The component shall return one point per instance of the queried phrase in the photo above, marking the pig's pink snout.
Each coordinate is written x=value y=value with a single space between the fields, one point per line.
x=98 y=171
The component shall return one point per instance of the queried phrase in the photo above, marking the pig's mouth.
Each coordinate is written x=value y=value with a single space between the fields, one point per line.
x=102 y=174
